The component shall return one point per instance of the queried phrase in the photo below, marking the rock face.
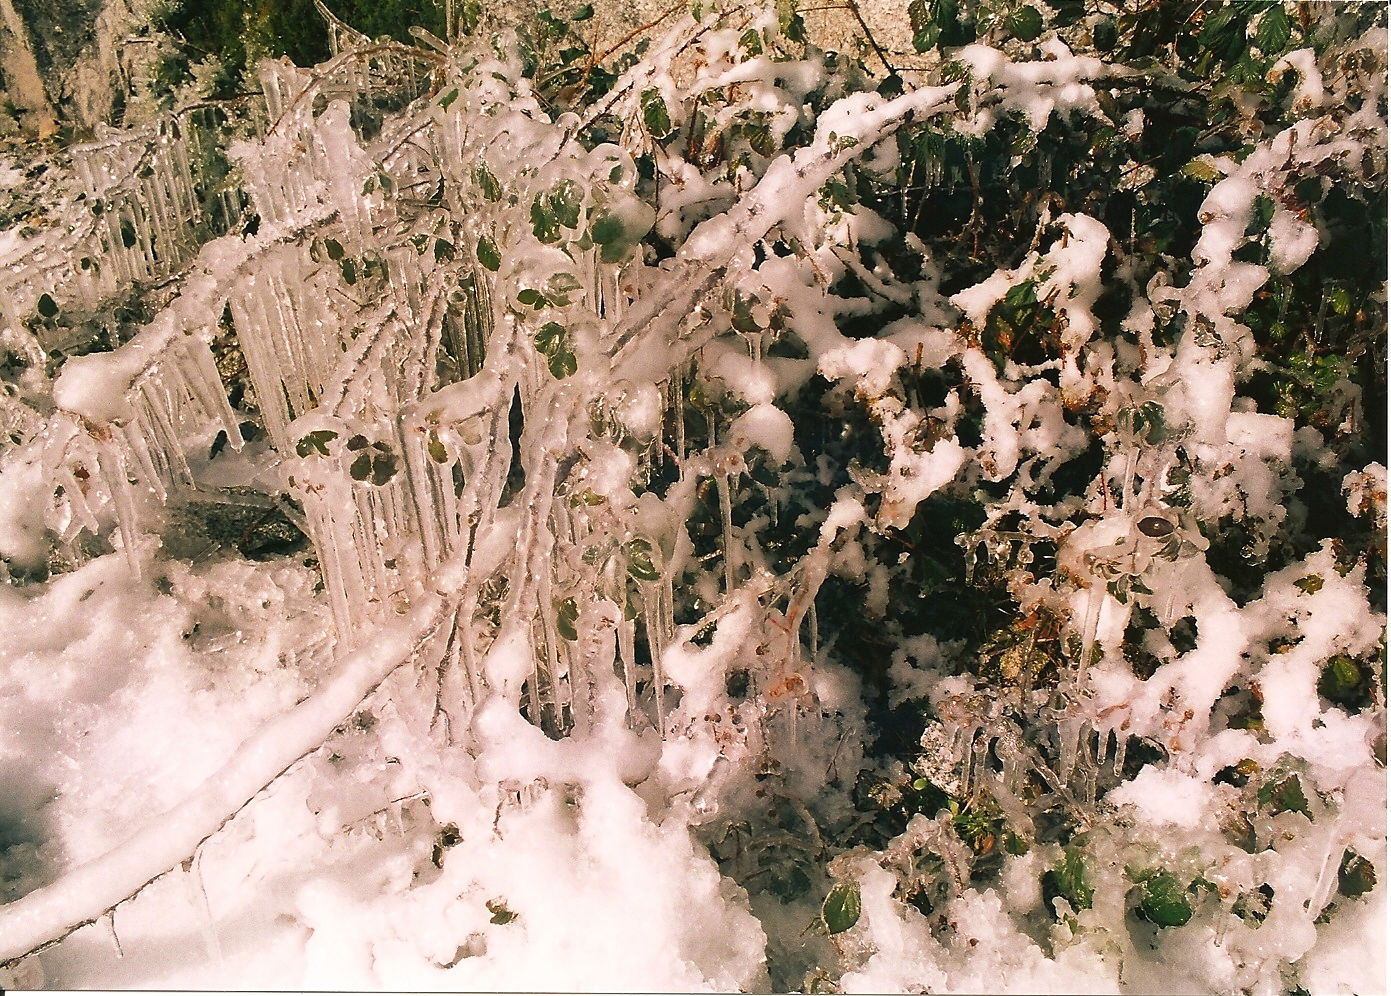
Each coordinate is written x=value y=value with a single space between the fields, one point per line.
x=77 y=61
x=70 y=63
x=20 y=80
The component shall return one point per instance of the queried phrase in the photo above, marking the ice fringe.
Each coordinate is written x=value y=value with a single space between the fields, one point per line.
x=342 y=379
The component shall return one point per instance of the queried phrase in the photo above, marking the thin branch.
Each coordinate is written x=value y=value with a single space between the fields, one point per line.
x=854 y=8
x=633 y=34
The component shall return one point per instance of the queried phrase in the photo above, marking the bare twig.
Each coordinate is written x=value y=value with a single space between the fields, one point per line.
x=854 y=8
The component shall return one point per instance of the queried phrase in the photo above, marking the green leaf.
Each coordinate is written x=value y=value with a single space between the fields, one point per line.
x=760 y=138
x=1310 y=584
x=1202 y=170
x=1341 y=681
x=956 y=30
x=543 y=223
x=566 y=612
x=918 y=17
x=334 y=248
x=1273 y=31
x=470 y=13
x=487 y=183
x=655 y=116
x=315 y=442
x=562 y=284
x=1070 y=880
x=562 y=363
x=550 y=338
x=1067 y=12
x=1340 y=300
x=435 y=446
x=449 y=98
x=926 y=37
x=790 y=21
x=551 y=342
x=488 y=255
x=841 y=910
x=361 y=467
x=583 y=13
x=1025 y=23
x=565 y=203
x=48 y=308
x=751 y=42
x=444 y=250
x=530 y=297
x=640 y=566
x=383 y=468
x=1164 y=901
x=1284 y=795
x=615 y=252
x=606 y=229
x=349 y=271
x=500 y=913
x=1216 y=26
x=127 y=234
x=1105 y=34
x=1356 y=875
x=1021 y=295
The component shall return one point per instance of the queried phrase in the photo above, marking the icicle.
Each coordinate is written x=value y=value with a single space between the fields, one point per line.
x=1089 y=624
x=113 y=471
x=155 y=411
x=627 y=656
x=1323 y=885
x=193 y=875
x=463 y=628
x=196 y=364
x=678 y=410
x=727 y=530
x=980 y=753
x=790 y=724
x=550 y=646
x=970 y=543
x=77 y=500
x=109 y=919
x=651 y=617
x=433 y=531
x=1089 y=761
x=1069 y=742
x=1128 y=487
x=149 y=470
x=1118 y=757
x=1013 y=758
x=962 y=748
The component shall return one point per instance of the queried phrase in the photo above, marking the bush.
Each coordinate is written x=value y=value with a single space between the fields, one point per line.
x=946 y=502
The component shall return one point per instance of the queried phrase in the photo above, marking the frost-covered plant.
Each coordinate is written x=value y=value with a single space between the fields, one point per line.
x=742 y=520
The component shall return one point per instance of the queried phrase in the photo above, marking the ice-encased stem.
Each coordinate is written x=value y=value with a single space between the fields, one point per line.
x=51 y=912
x=726 y=531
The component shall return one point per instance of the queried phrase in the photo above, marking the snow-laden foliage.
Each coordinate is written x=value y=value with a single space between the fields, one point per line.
x=491 y=515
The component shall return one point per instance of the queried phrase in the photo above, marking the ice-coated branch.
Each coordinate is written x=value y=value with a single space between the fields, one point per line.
x=844 y=130
x=49 y=914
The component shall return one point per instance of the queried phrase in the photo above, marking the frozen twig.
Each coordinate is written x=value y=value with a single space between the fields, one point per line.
x=82 y=896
